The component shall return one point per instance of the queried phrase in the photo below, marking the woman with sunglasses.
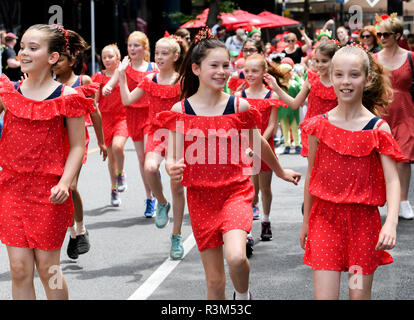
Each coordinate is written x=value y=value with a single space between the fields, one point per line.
x=400 y=114
x=293 y=50
x=368 y=38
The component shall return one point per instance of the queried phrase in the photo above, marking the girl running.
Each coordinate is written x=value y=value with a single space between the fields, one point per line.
x=69 y=65
x=317 y=88
x=113 y=121
x=44 y=122
x=137 y=113
x=162 y=90
x=352 y=170
x=219 y=195
x=266 y=101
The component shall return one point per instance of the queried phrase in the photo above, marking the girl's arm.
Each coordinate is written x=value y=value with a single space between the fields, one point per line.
x=76 y=134
x=388 y=234
x=271 y=127
x=110 y=85
x=127 y=97
x=308 y=42
x=2 y=107
x=308 y=198
x=293 y=103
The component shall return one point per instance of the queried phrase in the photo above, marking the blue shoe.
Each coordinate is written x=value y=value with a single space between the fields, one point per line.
x=287 y=150
x=161 y=219
x=149 y=208
x=177 y=249
x=256 y=214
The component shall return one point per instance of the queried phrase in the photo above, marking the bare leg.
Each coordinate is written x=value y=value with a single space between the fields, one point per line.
x=178 y=203
x=118 y=145
x=112 y=166
x=326 y=284
x=77 y=200
x=22 y=262
x=213 y=264
x=360 y=286
x=48 y=268
x=255 y=180
x=151 y=167
x=265 y=180
x=140 y=149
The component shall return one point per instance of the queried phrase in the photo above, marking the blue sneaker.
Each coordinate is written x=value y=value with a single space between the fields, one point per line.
x=256 y=214
x=149 y=208
x=162 y=219
x=177 y=249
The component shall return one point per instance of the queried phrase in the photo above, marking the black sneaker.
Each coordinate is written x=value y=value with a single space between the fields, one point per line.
x=249 y=246
x=83 y=243
x=266 y=234
x=72 y=250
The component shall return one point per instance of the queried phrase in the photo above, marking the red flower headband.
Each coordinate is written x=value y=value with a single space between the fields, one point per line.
x=173 y=36
x=65 y=34
x=204 y=34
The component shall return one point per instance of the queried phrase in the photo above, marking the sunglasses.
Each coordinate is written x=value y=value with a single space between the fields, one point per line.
x=384 y=34
x=249 y=50
x=290 y=41
x=366 y=36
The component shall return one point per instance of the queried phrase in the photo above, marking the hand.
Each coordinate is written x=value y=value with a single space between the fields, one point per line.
x=103 y=151
x=271 y=81
x=24 y=76
x=123 y=65
x=387 y=237
x=291 y=176
x=59 y=194
x=107 y=90
x=304 y=235
x=243 y=86
x=176 y=171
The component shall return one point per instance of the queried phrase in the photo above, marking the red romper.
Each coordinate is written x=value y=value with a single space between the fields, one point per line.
x=113 y=115
x=160 y=97
x=264 y=106
x=347 y=184
x=87 y=90
x=33 y=152
x=137 y=113
x=219 y=195
x=321 y=99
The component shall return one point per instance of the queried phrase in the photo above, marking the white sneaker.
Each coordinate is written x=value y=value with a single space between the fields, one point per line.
x=406 y=212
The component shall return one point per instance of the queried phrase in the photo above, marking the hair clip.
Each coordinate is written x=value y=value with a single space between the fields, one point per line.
x=203 y=34
x=65 y=34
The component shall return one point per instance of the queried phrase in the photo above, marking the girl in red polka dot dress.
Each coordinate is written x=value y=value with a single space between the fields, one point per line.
x=267 y=102
x=162 y=91
x=70 y=63
x=114 y=122
x=317 y=88
x=203 y=128
x=352 y=171
x=137 y=112
x=41 y=151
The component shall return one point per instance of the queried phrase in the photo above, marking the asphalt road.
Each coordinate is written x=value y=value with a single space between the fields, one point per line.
x=129 y=255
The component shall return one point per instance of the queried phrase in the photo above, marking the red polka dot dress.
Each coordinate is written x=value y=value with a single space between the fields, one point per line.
x=33 y=151
x=137 y=113
x=347 y=184
x=160 y=97
x=112 y=110
x=87 y=90
x=321 y=99
x=217 y=177
x=264 y=106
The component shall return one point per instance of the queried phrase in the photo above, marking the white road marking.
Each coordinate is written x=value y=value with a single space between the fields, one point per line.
x=154 y=281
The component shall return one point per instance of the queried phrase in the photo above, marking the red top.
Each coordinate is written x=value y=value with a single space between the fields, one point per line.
x=234 y=83
x=321 y=99
x=160 y=97
x=34 y=139
x=112 y=103
x=347 y=168
x=134 y=78
x=209 y=163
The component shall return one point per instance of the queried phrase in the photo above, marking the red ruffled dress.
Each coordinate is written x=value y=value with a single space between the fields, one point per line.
x=137 y=113
x=33 y=152
x=400 y=115
x=264 y=106
x=160 y=97
x=347 y=184
x=234 y=83
x=113 y=115
x=321 y=99
x=87 y=90
x=219 y=190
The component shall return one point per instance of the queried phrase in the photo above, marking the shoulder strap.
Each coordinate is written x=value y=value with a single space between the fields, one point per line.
x=237 y=104
x=269 y=94
x=63 y=89
x=243 y=93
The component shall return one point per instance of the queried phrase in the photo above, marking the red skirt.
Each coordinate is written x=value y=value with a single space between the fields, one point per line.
x=215 y=211
x=343 y=236
x=27 y=218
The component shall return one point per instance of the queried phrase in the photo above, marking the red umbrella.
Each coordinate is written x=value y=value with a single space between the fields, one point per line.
x=276 y=20
x=228 y=20
x=247 y=18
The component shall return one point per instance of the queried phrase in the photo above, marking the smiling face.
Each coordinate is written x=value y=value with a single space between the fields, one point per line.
x=214 y=69
x=165 y=55
x=367 y=38
x=34 y=52
x=248 y=49
x=254 y=71
x=387 y=37
x=110 y=59
x=342 y=34
x=322 y=63
x=348 y=77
